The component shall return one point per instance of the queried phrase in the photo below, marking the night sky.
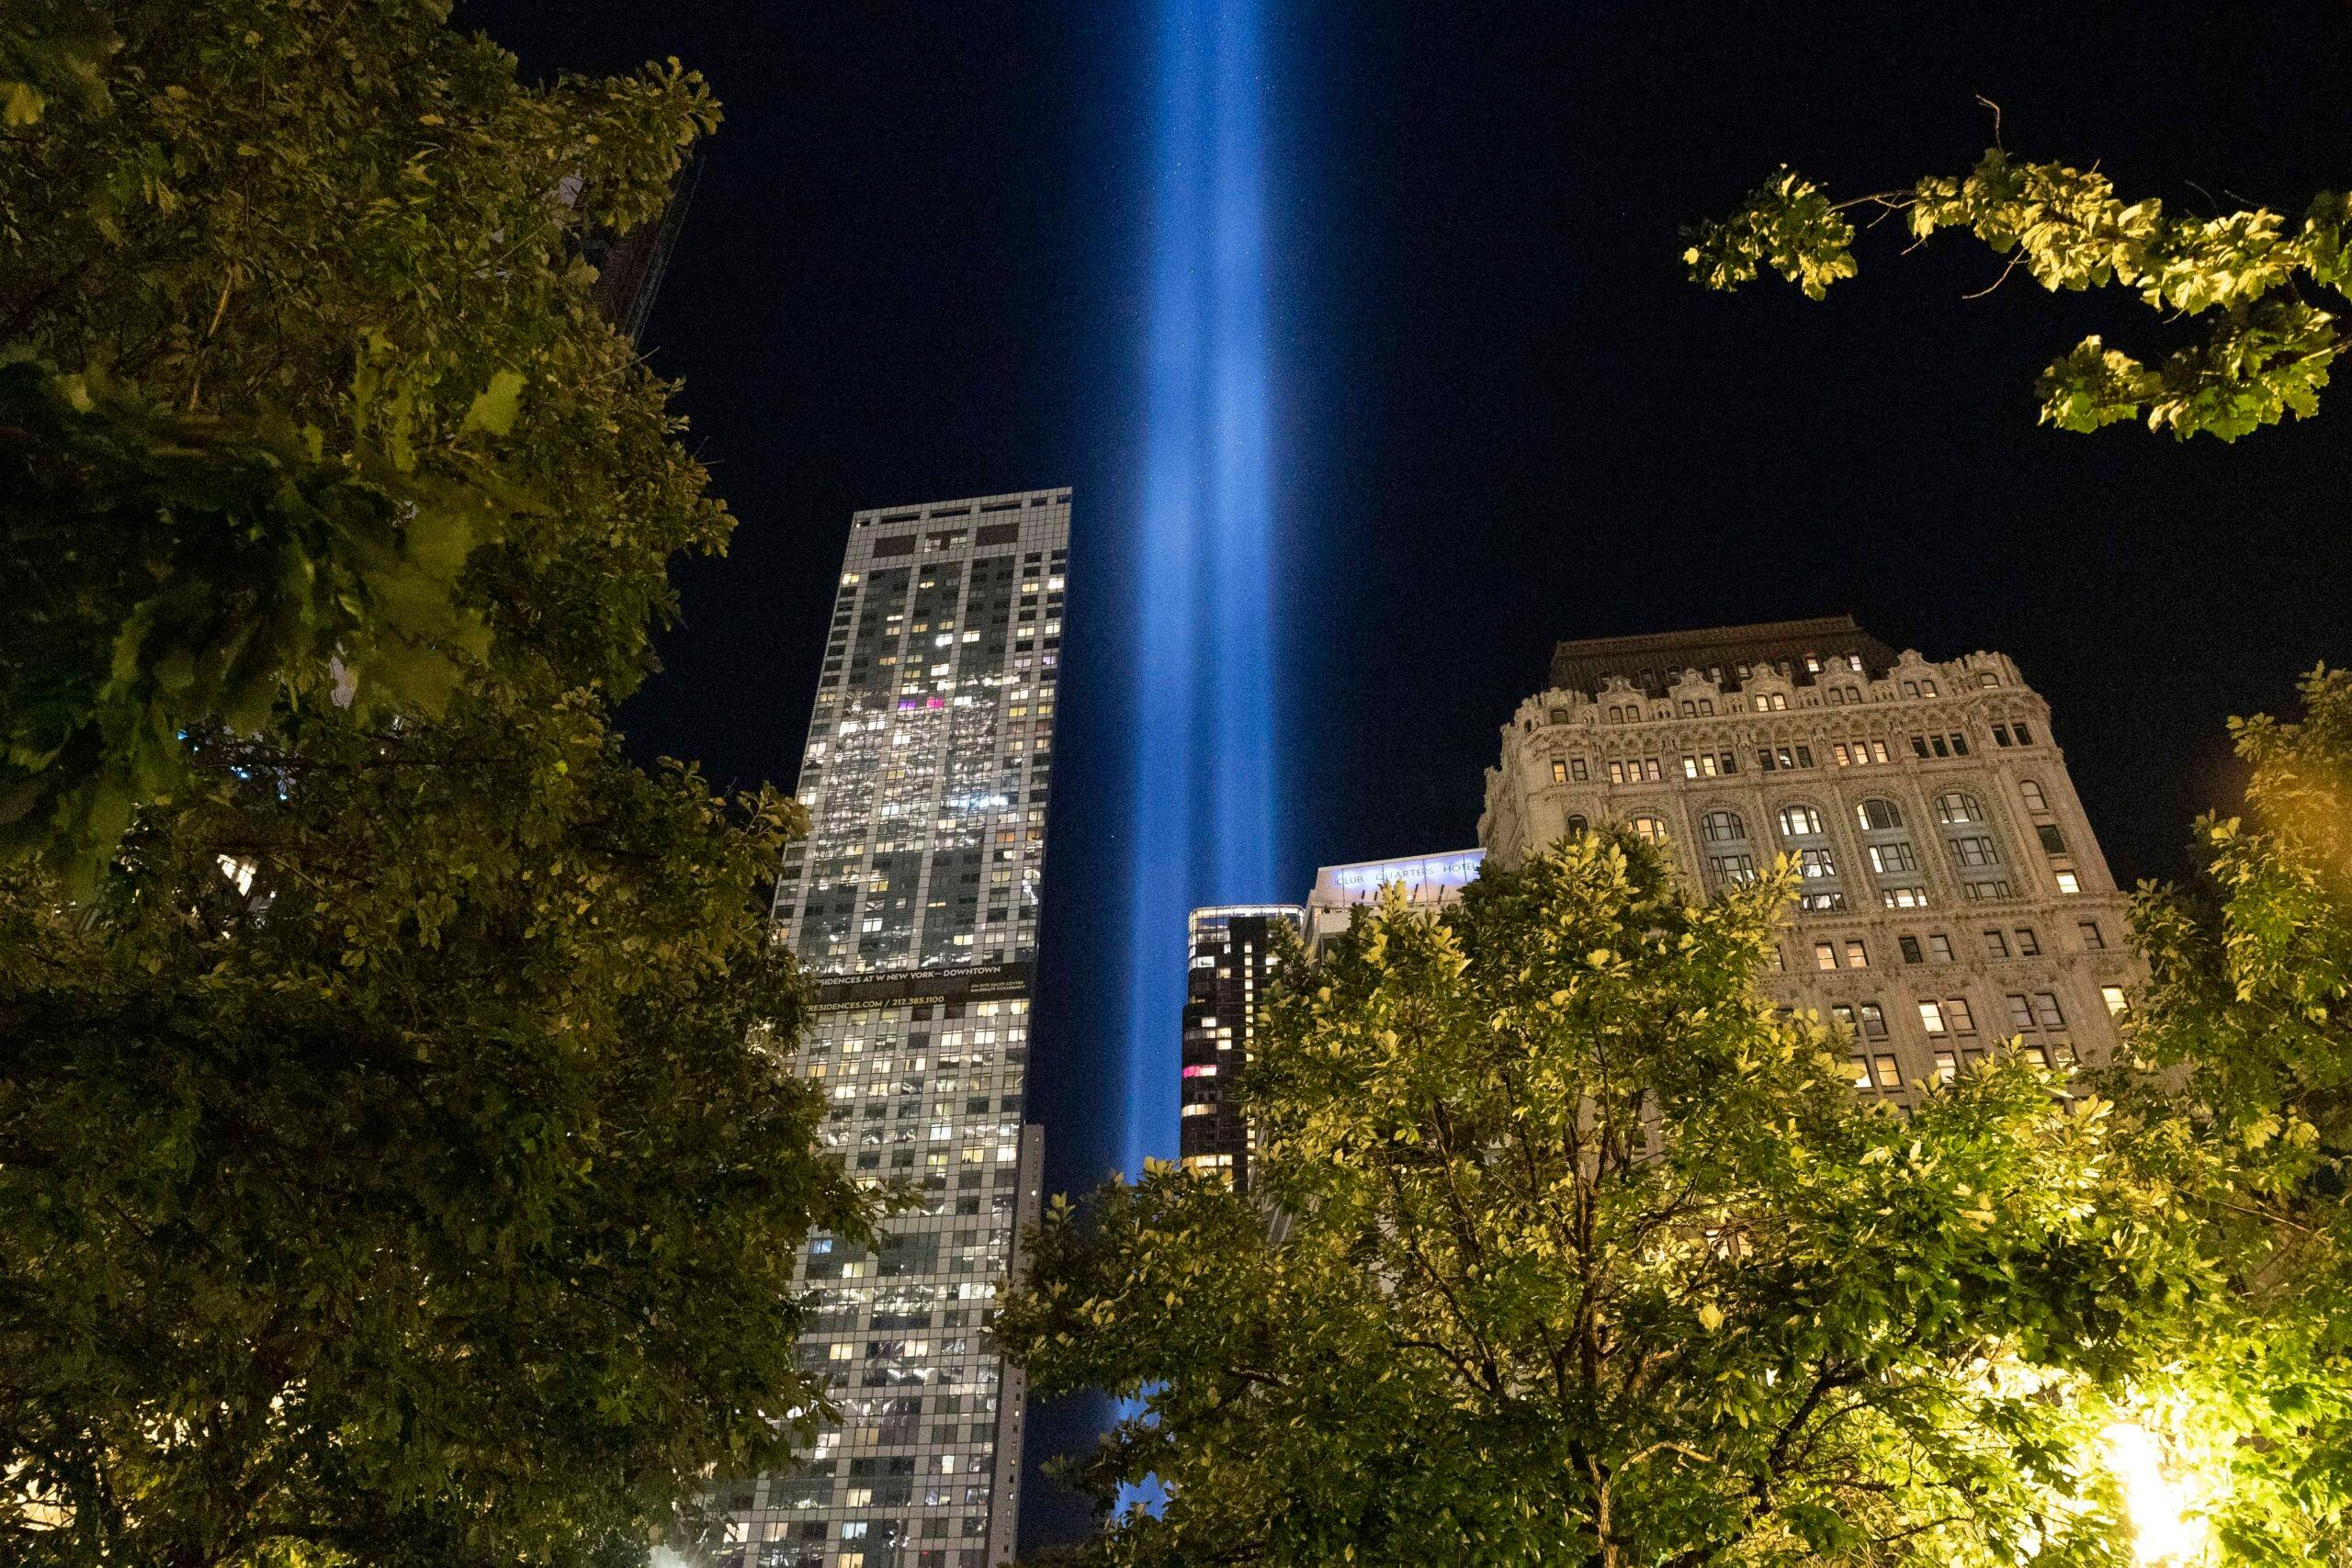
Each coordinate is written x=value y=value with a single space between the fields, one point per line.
x=913 y=271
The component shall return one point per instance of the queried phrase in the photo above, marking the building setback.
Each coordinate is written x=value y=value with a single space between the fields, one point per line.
x=914 y=902
x=1952 y=896
x=1429 y=881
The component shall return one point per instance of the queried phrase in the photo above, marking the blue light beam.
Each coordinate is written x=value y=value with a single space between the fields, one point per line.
x=1205 y=818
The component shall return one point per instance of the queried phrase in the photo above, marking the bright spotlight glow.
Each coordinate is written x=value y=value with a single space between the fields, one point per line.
x=2167 y=1525
x=1204 y=812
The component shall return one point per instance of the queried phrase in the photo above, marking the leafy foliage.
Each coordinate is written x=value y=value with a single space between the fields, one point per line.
x=2265 y=351
x=2243 y=1090
x=397 y=1163
x=1584 y=1254
x=341 y=244
x=206 y=566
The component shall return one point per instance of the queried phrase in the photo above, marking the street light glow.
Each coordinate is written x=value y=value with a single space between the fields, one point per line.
x=2166 y=1507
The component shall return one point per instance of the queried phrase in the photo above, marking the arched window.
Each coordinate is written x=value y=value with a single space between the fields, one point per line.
x=1649 y=829
x=1800 y=822
x=1956 y=806
x=1578 y=828
x=1722 y=827
x=1877 y=816
x=2035 y=801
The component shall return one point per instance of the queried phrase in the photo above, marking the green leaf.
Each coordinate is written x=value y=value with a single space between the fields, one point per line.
x=494 y=407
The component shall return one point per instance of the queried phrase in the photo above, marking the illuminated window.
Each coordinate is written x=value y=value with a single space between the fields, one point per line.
x=1873 y=1022
x=1940 y=947
x=1946 y=1067
x=1559 y=770
x=1856 y=955
x=1800 y=822
x=1721 y=827
x=1890 y=1076
x=1816 y=863
x=1649 y=829
x=1975 y=851
x=2034 y=799
x=1931 y=1018
x=2069 y=883
x=1824 y=956
x=2117 y=1003
x=1962 y=1020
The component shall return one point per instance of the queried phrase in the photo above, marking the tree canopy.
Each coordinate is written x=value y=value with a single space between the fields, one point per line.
x=1585 y=1254
x=396 y=1161
x=2240 y=1095
x=2259 y=281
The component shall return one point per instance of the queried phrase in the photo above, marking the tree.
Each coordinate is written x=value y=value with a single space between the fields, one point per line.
x=2266 y=346
x=2240 y=1095
x=1585 y=1255
x=396 y=1161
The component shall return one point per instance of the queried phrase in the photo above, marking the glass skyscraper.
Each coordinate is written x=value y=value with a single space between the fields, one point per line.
x=913 y=902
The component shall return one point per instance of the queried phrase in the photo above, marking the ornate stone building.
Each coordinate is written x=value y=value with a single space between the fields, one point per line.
x=1953 y=899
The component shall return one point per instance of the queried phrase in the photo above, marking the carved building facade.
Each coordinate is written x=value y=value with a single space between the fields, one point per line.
x=1954 y=901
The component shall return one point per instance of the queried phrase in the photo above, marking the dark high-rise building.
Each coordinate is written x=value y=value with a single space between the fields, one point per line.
x=629 y=266
x=1232 y=948
x=914 y=901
